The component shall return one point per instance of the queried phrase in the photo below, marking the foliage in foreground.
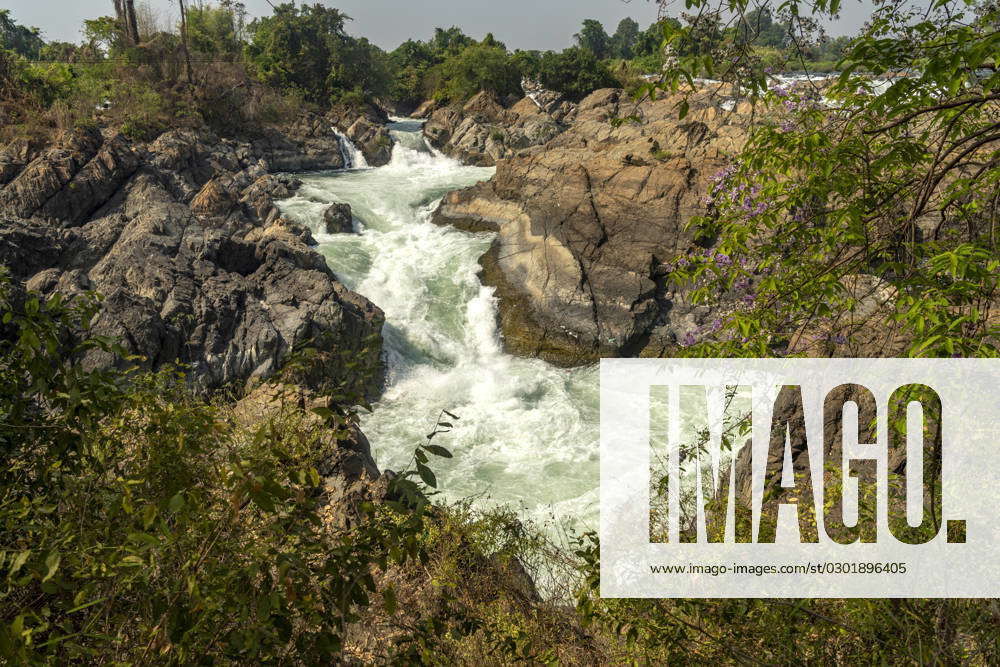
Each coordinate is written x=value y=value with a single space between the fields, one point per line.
x=140 y=524
x=862 y=222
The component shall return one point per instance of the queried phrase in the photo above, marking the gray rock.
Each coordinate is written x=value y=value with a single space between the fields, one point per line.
x=338 y=219
x=196 y=264
x=483 y=132
x=365 y=127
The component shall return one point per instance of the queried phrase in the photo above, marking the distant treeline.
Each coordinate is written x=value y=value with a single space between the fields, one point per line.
x=234 y=71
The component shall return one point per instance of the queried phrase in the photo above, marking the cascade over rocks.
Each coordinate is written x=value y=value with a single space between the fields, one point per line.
x=366 y=128
x=588 y=221
x=182 y=238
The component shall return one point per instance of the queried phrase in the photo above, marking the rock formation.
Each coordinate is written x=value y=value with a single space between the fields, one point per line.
x=308 y=143
x=482 y=131
x=182 y=239
x=588 y=222
x=338 y=219
x=366 y=128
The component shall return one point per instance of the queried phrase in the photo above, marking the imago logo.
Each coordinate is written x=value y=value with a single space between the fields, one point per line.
x=798 y=478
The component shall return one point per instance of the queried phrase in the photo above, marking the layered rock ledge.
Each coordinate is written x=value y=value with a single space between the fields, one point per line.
x=588 y=221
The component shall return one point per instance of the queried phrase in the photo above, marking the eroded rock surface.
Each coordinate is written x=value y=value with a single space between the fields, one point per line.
x=483 y=131
x=588 y=222
x=196 y=264
x=366 y=128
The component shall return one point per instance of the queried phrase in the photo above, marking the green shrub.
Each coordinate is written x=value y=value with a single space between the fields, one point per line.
x=141 y=524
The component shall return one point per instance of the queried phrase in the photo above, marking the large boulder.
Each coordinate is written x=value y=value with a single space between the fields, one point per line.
x=338 y=219
x=308 y=144
x=588 y=223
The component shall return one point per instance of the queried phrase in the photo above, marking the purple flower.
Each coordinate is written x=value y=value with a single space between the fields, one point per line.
x=723 y=259
x=689 y=339
x=742 y=284
x=682 y=262
x=724 y=173
x=780 y=91
x=749 y=299
x=788 y=126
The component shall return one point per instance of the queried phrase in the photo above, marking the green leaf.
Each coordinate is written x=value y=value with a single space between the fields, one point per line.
x=18 y=562
x=437 y=450
x=325 y=413
x=389 y=598
x=176 y=503
x=427 y=475
x=51 y=565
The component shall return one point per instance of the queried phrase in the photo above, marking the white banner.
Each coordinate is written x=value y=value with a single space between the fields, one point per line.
x=800 y=478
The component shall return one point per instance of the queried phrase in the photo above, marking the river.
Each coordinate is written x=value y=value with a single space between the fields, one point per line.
x=527 y=434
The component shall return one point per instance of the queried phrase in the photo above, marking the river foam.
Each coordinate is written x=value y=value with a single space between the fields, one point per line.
x=527 y=434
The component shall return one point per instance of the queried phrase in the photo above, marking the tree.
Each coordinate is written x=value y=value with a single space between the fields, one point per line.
x=575 y=72
x=20 y=39
x=307 y=48
x=894 y=189
x=216 y=30
x=103 y=35
x=624 y=40
x=410 y=63
x=127 y=22
x=184 y=44
x=759 y=28
x=592 y=37
x=477 y=68
x=702 y=35
x=450 y=41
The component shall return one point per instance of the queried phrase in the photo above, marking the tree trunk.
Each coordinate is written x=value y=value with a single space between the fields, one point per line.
x=122 y=21
x=184 y=42
x=131 y=24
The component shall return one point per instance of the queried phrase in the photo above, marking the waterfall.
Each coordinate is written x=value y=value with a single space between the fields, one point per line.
x=528 y=431
x=353 y=158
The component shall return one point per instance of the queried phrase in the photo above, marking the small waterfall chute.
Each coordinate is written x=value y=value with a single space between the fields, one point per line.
x=353 y=157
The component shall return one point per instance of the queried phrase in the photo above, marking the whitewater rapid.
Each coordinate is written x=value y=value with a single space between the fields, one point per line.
x=527 y=436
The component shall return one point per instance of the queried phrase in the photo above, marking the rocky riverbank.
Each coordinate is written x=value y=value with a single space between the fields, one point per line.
x=196 y=265
x=589 y=219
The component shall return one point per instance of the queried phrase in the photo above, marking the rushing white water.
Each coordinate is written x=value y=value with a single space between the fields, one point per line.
x=353 y=158
x=527 y=434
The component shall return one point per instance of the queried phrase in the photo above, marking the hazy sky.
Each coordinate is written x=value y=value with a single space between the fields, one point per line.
x=524 y=24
